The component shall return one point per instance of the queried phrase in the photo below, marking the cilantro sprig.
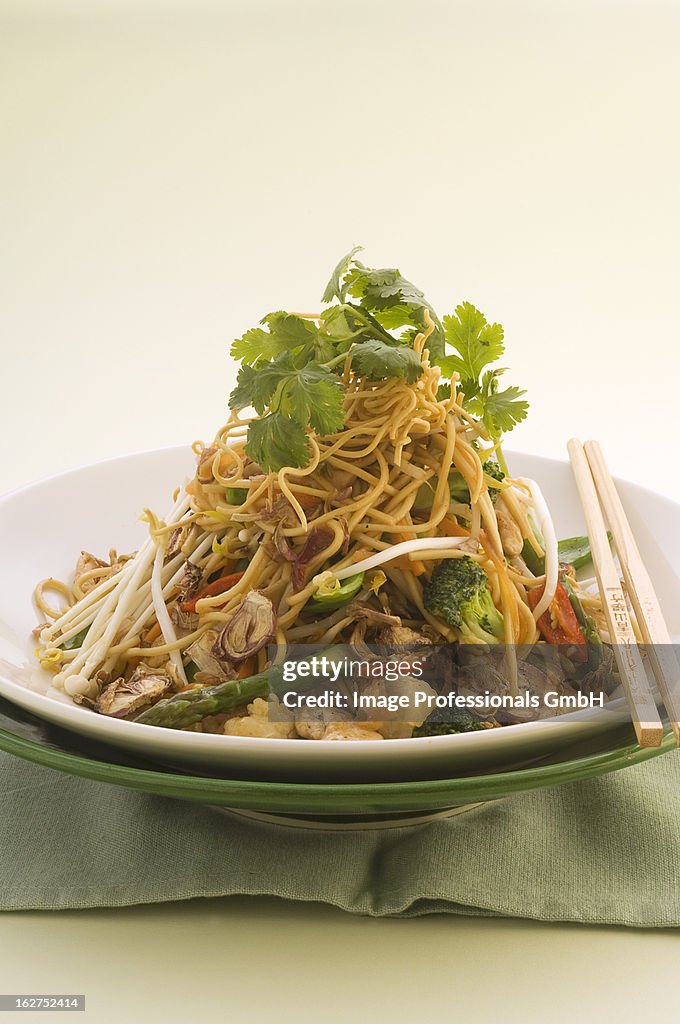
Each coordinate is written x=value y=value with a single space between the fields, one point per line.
x=375 y=360
x=391 y=300
x=476 y=344
x=291 y=366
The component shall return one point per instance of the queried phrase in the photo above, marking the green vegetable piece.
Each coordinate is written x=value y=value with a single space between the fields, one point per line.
x=477 y=344
x=236 y=495
x=388 y=297
x=190 y=706
x=493 y=470
x=251 y=389
x=459 y=490
x=295 y=396
x=535 y=563
x=277 y=441
x=576 y=551
x=586 y=625
x=500 y=411
x=190 y=670
x=321 y=604
x=458 y=594
x=310 y=394
x=335 y=289
x=286 y=333
x=436 y=726
x=424 y=497
x=76 y=641
x=377 y=360
x=570 y=551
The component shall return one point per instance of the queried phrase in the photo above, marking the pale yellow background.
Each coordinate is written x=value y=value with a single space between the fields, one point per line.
x=171 y=172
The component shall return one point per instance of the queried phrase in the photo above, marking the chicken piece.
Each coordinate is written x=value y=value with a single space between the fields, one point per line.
x=351 y=731
x=394 y=730
x=509 y=532
x=310 y=730
x=257 y=724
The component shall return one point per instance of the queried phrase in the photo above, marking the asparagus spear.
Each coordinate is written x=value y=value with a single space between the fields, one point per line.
x=189 y=707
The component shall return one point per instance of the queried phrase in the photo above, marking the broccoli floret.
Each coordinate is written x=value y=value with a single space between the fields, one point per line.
x=459 y=490
x=458 y=594
x=492 y=469
x=436 y=726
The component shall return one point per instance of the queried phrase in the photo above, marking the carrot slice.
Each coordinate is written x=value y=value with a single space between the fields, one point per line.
x=403 y=562
x=247 y=668
x=218 y=586
x=450 y=528
x=559 y=624
x=152 y=633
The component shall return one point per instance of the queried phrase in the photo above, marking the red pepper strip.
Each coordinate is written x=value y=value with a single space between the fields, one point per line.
x=217 y=586
x=566 y=629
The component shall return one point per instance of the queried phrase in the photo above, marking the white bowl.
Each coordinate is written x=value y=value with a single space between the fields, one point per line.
x=43 y=527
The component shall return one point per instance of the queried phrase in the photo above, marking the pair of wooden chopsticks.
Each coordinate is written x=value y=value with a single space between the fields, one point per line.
x=594 y=481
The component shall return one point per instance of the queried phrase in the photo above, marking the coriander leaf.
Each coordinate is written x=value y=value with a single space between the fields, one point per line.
x=335 y=289
x=312 y=395
x=395 y=302
x=252 y=388
x=290 y=330
x=376 y=360
x=395 y=316
x=255 y=344
x=277 y=441
x=321 y=350
x=383 y=287
x=476 y=342
x=286 y=333
x=348 y=323
x=443 y=391
x=341 y=326
x=500 y=411
x=255 y=385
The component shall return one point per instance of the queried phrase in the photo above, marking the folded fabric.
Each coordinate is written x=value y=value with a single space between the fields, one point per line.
x=606 y=850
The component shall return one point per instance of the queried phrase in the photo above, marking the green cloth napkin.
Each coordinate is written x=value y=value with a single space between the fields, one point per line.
x=606 y=850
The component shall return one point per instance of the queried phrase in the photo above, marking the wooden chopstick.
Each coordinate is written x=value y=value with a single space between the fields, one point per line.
x=640 y=588
x=646 y=721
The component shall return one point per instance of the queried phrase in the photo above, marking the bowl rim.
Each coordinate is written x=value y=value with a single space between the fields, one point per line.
x=488 y=786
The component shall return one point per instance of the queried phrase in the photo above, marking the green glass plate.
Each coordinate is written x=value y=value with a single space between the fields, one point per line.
x=33 y=739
